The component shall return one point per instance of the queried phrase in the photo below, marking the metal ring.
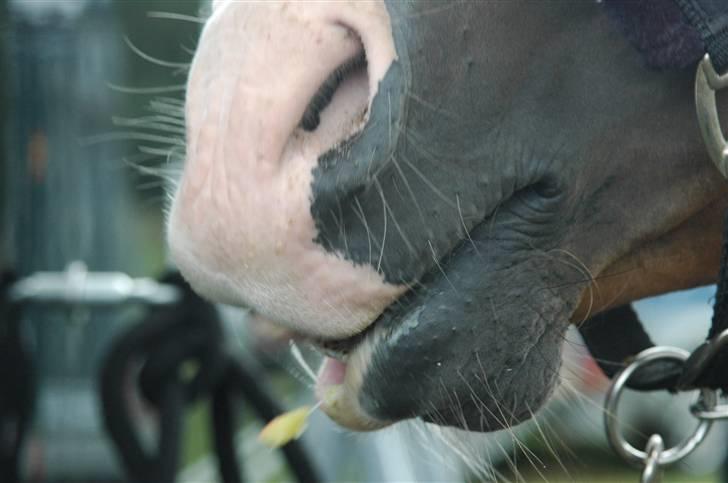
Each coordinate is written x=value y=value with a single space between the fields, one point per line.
x=707 y=82
x=631 y=454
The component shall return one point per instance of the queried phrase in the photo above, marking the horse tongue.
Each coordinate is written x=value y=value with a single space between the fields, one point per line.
x=331 y=373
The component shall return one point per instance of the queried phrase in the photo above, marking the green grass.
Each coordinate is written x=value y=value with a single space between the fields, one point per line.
x=196 y=441
x=595 y=466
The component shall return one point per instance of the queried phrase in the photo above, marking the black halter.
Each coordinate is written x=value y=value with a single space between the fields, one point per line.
x=616 y=336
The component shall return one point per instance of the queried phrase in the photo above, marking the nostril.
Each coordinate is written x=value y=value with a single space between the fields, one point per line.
x=355 y=66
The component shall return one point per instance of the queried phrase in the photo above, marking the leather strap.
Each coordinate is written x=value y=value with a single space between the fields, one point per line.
x=614 y=337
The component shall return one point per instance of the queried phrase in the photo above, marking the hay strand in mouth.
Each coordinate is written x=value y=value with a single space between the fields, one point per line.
x=286 y=427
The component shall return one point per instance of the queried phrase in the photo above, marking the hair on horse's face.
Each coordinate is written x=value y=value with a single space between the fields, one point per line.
x=658 y=30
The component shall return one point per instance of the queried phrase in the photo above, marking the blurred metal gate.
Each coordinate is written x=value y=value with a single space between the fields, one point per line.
x=65 y=202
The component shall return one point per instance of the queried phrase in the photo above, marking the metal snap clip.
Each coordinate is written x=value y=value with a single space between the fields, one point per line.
x=651 y=472
x=707 y=83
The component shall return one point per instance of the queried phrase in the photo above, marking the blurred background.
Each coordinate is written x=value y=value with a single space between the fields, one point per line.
x=90 y=135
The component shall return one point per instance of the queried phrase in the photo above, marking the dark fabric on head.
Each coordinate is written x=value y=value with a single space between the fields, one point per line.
x=710 y=19
x=659 y=31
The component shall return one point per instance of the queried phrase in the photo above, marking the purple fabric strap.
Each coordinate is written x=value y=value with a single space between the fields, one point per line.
x=710 y=19
x=659 y=30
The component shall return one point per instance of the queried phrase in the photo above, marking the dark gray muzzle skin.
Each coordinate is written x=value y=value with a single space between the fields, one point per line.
x=501 y=147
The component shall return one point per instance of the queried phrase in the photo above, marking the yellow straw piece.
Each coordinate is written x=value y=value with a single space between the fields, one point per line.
x=282 y=429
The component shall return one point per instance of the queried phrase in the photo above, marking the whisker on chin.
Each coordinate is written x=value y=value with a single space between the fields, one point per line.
x=546 y=441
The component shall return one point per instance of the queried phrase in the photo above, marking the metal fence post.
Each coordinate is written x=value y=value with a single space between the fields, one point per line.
x=65 y=201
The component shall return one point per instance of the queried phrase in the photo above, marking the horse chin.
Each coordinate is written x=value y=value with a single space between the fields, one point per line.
x=459 y=350
x=351 y=392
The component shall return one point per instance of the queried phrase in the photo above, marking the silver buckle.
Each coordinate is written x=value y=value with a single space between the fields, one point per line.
x=707 y=83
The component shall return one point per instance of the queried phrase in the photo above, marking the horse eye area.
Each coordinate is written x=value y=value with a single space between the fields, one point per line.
x=352 y=75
